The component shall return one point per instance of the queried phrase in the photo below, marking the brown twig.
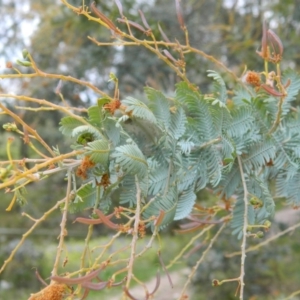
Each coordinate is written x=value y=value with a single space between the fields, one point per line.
x=135 y=233
x=63 y=223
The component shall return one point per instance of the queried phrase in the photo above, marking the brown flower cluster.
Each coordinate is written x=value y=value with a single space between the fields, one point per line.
x=83 y=168
x=112 y=106
x=105 y=181
x=253 y=78
x=142 y=229
x=55 y=291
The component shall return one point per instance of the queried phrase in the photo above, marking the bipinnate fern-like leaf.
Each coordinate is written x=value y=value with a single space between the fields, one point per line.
x=219 y=86
x=131 y=159
x=159 y=105
x=128 y=191
x=80 y=130
x=198 y=109
x=98 y=151
x=185 y=204
x=158 y=179
x=242 y=95
x=259 y=154
x=242 y=121
x=177 y=123
x=112 y=131
x=289 y=188
x=85 y=198
x=95 y=115
x=186 y=178
x=292 y=90
x=214 y=164
x=194 y=144
x=167 y=203
x=68 y=124
x=139 y=109
x=237 y=221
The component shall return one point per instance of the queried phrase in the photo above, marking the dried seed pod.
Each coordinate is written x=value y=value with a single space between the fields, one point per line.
x=120 y=8
x=133 y=24
x=179 y=13
x=105 y=19
x=275 y=41
x=78 y=280
x=144 y=20
x=163 y=34
x=272 y=91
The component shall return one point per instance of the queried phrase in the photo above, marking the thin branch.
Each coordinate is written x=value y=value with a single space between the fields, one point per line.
x=37 y=167
x=29 y=231
x=57 y=76
x=185 y=248
x=28 y=128
x=63 y=223
x=292 y=296
x=244 y=239
x=135 y=233
x=196 y=266
x=266 y=242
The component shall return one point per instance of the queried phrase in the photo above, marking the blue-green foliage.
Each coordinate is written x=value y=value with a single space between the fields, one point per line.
x=190 y=142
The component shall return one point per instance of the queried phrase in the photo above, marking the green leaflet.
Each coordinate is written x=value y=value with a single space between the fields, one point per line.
x=166 y=203
x=159 y=105
x=139 y=109
x=68 y=124
x=185 y=204
x=219 y=87
x=242 y=121
x=95 y=115
x=98 y=151
x=259 y=154
x=230 y=182
x=292 y=89
x=177 y=123
x=158 y=179
x=131 y=160
x=237 y=221
x=112 y=131
x=128 y=191
x=289 y=188
x=85 y=198
x=80 y=130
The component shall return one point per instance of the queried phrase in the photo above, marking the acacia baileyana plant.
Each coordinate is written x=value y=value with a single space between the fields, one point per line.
x=232 y=144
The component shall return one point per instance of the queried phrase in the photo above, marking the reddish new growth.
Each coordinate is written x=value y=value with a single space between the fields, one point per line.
x=112 y=106
x=253 y=78
x=83 y=168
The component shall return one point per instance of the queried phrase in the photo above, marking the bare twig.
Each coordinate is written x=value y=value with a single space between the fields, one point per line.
x=245 y=225
x=266 y=242
x=196 y=266
x=135 y=233
x=186 y=247
x=29 y=231
x=38 y=167
x=28 y=128
x=63 y=223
